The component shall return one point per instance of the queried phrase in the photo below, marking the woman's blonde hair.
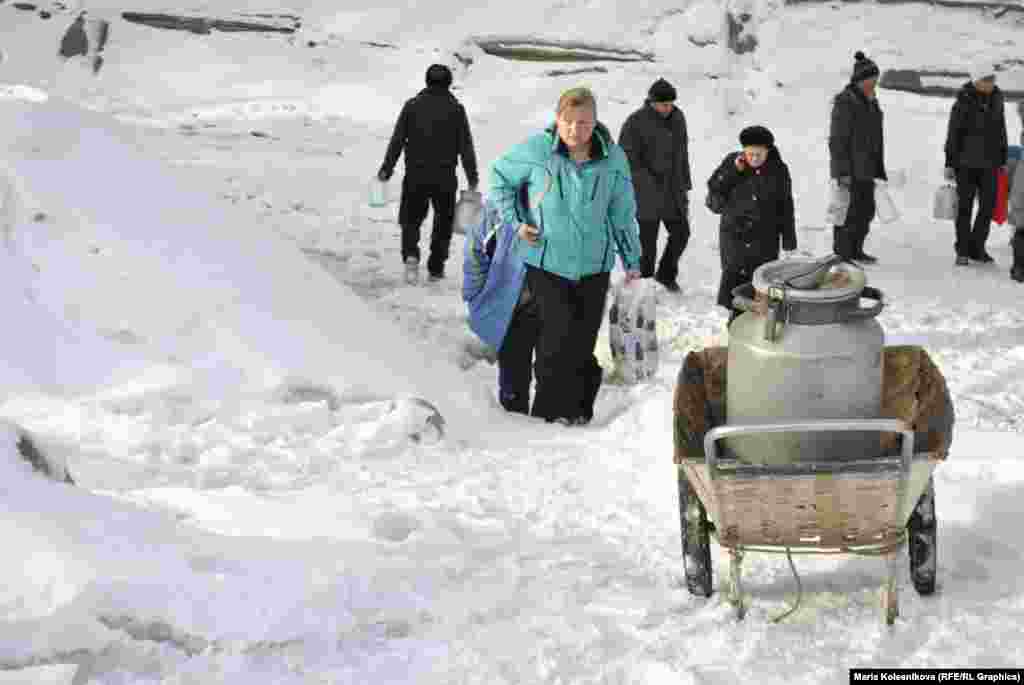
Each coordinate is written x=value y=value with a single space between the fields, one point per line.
x=577 y=97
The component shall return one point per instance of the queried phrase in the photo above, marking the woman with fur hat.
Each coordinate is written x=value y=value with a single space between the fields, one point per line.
x=754 y=189
x=856 y=146
x=976 y=148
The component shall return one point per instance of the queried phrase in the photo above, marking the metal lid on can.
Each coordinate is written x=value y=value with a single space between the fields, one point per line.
x=808 y=279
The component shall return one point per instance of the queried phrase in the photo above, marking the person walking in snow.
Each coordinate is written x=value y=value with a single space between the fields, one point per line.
x=580 y=214
x=857 y=156
x=654 y=139
x=976 y=148
x=754 y=189
x=1017 y=243
x=433 y=131
x=502 y=311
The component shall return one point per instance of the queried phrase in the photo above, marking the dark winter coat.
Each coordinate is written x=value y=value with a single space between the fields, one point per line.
x=433 y=129
x=75 y=41
x=976 y=138
x=856 y=142
x=758 y=211
x=659 y=161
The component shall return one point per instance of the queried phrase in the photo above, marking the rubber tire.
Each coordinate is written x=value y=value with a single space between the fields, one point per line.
x=922 y=541
x=696 y=538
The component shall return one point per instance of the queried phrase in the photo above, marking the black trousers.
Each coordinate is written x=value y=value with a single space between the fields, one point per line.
x=567 y=373
x=418 y=191
x=1017 y=243
x=678 y=230
x=515 y=358
x=848 y=239
x=970 y=242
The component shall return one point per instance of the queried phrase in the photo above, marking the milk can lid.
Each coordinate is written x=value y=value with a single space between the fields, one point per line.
x=809 y=279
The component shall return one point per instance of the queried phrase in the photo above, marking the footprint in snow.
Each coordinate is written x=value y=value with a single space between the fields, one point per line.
x=395 y=526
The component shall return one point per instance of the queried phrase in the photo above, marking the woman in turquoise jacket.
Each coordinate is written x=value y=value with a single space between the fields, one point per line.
x=581 y=213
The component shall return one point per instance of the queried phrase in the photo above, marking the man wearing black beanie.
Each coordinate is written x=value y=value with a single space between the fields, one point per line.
x=655 y=140
x=433 y=130
x=857 y=151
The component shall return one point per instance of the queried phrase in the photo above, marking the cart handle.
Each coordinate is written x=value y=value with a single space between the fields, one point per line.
x=879 y=425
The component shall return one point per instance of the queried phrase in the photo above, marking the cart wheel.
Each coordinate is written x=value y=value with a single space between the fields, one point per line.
x=922 y=537
x=693 y=522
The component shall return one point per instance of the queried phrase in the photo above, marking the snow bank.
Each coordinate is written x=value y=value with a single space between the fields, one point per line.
x=132 y=248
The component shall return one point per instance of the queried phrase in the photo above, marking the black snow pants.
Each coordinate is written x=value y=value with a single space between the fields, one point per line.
x=567 y=373
x=419 y=190
x=970 y=242
x=848 y=239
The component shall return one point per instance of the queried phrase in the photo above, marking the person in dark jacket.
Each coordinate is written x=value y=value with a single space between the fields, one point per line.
x=856 y=148
x=655 y=141
x=976 y=148
x=756 y=194
x=433 y=130
x=1017 y=268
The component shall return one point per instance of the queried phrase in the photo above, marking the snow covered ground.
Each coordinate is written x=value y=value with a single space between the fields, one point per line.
x=208 y=325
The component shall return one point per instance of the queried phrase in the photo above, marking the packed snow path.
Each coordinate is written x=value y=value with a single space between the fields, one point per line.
x=292 y=535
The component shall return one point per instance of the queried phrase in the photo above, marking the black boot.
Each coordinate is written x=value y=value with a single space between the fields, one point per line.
x=860 y=255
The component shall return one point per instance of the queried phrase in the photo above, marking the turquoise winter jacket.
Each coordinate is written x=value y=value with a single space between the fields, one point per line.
x=586 y=213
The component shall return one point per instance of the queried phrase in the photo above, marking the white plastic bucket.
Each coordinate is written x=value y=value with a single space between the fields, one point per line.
x=944 y=207
x=468 y=212
x=885 y=208
x=378 y=194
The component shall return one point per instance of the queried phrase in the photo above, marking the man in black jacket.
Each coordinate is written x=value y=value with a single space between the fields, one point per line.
x=654 y=139
x=857 y=156
x=433 y=130
x=976 y=147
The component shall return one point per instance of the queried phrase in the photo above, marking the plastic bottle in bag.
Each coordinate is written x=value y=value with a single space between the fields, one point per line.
x=838 y=204
x=632 y=331
x=468 y=211
x=378 y=195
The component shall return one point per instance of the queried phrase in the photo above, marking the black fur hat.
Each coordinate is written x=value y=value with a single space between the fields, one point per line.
x=439 y=75
x=863 y=68
x=756 y=135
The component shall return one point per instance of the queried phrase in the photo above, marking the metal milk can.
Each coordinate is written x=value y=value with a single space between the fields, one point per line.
x=805 y=348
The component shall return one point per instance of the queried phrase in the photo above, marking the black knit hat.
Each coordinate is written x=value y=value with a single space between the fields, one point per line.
x=661 y=91
x=439 y=75
x=863 y=68
x=756 y=135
